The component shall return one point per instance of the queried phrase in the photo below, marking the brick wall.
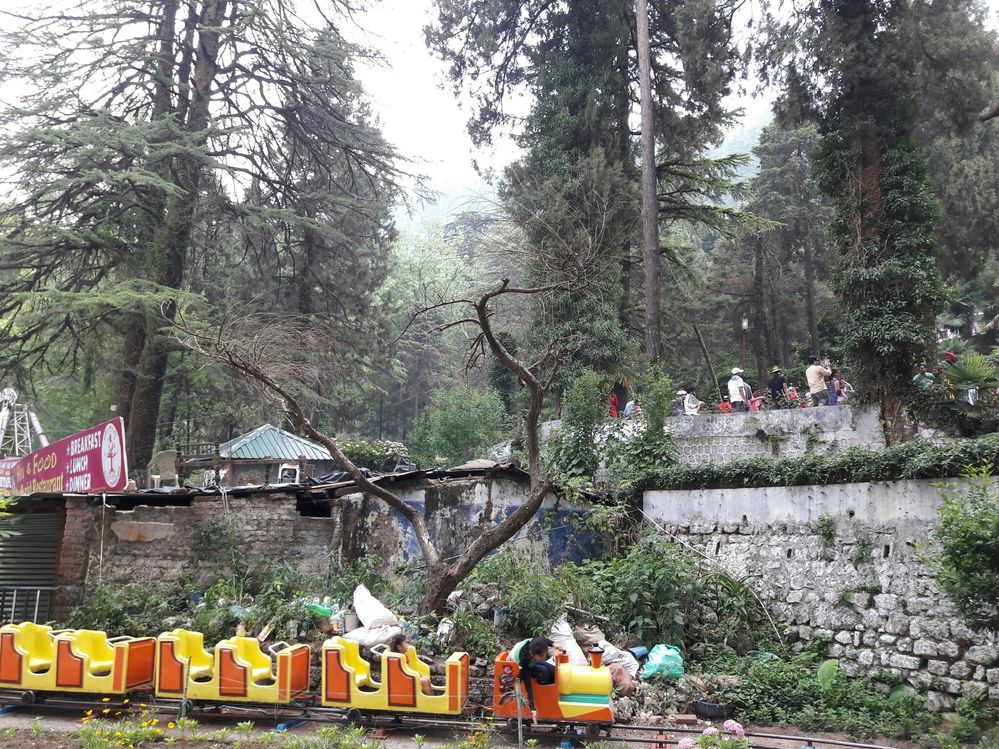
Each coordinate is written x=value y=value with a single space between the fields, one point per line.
x=74 y=555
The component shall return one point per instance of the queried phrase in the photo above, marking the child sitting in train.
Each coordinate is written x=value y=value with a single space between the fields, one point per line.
x=400 y=644
x=532 y=657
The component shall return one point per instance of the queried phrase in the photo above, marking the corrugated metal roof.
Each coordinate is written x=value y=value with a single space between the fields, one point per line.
x=269 y=442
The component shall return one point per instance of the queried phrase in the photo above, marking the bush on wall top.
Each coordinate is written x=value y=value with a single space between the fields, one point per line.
x=918 y=459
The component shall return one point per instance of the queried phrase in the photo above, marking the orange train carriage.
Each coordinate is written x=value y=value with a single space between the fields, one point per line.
x=34 y=659
x=579 y=694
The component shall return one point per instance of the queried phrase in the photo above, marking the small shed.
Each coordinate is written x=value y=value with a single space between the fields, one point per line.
x=265 y=455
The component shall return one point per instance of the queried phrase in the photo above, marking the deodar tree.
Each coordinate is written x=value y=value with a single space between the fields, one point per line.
x=577 y=61
x=852 y=68
x=140 y=124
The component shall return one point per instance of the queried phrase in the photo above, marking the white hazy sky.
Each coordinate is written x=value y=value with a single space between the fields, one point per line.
x=427 y=122
x=419 y=112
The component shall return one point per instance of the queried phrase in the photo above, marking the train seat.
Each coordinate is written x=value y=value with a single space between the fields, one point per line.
x=94 y=647
x=248 y=650
x=35 y=641
x=352 y=660
x=190 y=647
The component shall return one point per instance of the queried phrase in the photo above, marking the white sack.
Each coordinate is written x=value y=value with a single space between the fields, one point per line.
x=369 y=637
x=614 y=654
x=561 y=635
x=371 y=611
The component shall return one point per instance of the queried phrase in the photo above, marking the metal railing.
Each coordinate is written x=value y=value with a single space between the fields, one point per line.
x=21 y=604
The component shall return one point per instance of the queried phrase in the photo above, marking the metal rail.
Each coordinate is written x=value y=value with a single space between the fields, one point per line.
x=306 y=713
x=9 y=599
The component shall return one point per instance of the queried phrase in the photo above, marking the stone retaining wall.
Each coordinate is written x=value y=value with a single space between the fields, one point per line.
x=825 y=430
x=153 y=544
x=843 y=562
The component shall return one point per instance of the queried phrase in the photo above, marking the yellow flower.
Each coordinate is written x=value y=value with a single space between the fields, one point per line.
x=125 y=702
x=105 y=699
x=90 y=712
x=106 y=710
x=142 y=705
x=154 y=721
x=171 y=724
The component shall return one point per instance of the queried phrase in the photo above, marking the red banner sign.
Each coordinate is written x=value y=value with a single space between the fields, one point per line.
x=7 y=476
x=84 y=463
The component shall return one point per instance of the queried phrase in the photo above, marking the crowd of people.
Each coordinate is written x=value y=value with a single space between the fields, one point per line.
x=825 y=385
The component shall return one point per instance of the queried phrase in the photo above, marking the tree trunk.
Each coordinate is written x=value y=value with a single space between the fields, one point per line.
x=441 y=582
x=652 y=259
x=707 y=361
x=813 y=323
x=174 y=238
x=131 y=353
x=759 y=318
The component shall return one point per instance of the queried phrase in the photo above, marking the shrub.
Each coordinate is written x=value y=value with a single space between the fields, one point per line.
x=918 y=459
x=459 y=424
x=662 y=593
x=788 y=691
x=572 y=450
x=378 y=455
x=966 y=559
x=532 y=592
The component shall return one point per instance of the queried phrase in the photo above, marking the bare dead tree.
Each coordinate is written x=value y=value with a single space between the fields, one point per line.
x=278 y=355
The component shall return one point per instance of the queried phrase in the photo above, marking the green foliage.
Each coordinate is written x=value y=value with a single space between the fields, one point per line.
x=532 y=592
x=378 y=455
x=814 y=695
x=635 y=452
x=825 y=528
x=862 y=546
x=658 y=396
x=966 y=550
x=661 y=593
x=827 y=672
x=917 y=459
x=572 y=449
x=258 y=595
x=458 y=424
x=474 y=634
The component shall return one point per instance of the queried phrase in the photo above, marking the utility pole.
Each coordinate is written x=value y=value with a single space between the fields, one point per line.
x=652 y=259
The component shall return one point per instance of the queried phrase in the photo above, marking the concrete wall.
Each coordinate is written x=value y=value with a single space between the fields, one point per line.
x=867 y=587
x=156 y=544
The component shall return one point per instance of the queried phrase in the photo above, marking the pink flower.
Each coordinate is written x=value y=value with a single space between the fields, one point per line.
x=710 y=731
x=686 y=744
x=735 y=728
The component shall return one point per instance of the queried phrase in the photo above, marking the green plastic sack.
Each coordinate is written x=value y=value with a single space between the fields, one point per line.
x=665 y=662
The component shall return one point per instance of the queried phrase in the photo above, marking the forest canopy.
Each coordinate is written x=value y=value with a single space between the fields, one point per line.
x=199 y=159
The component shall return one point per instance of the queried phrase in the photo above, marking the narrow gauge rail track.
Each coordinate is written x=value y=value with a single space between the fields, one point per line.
x=299 y=713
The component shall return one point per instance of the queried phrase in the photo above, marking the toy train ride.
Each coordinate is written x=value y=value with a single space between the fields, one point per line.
x=36 y=661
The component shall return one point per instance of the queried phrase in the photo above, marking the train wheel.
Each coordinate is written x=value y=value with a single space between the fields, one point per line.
x=353 y=716
x=186 y=708
x=592 y=731
x=28 y=698
x=511 y=724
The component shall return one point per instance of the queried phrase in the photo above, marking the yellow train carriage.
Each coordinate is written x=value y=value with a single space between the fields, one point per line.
x=238 y=671
x=34 y=657
x=347 y=681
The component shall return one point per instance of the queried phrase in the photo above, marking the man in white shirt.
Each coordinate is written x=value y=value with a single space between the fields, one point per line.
x=736 y=391
x=816 y=376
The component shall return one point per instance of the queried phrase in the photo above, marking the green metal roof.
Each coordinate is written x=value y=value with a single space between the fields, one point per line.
x=269 y=442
